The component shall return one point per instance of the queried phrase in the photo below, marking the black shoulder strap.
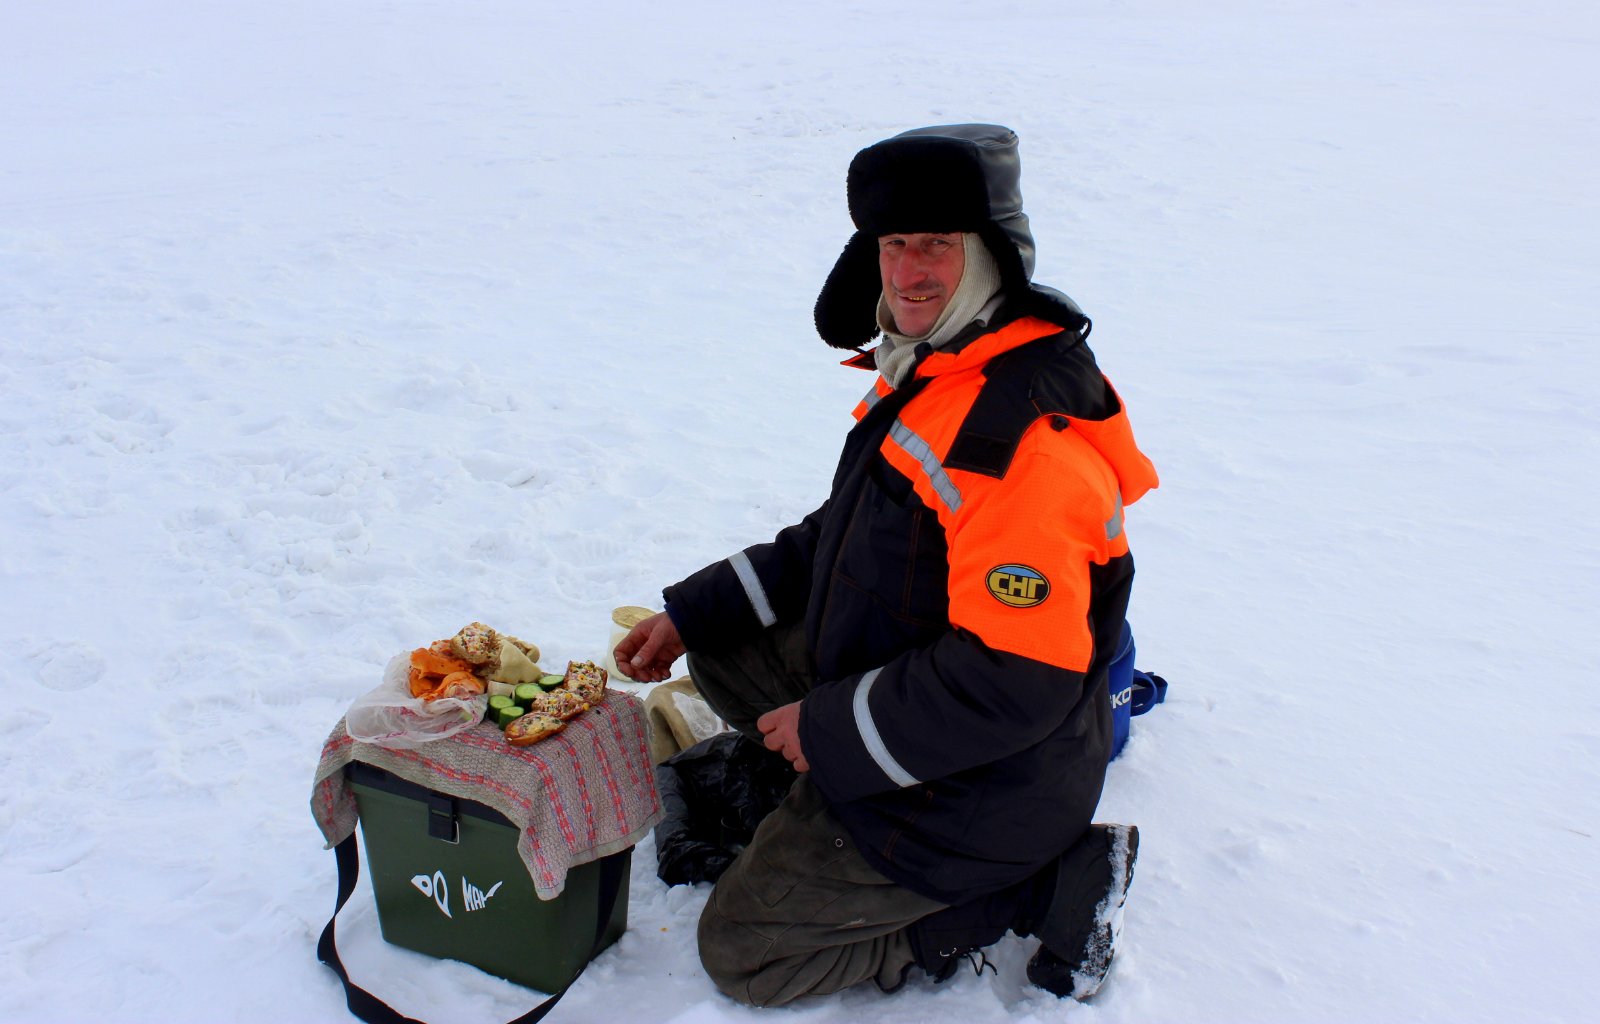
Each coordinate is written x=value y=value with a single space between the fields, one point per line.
x=373 y=1010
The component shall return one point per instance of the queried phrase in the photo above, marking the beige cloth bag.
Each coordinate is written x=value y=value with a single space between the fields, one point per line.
x=679 y=718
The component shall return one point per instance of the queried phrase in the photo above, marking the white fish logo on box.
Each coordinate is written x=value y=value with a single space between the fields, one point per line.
x=435 y=887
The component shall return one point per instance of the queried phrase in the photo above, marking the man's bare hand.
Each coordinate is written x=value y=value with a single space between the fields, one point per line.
x=646 y=654
x=781 y=729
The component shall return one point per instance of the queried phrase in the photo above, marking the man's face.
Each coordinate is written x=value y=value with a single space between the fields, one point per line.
x=920 y=273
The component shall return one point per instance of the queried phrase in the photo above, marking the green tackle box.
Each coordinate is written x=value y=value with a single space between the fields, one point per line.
x=449 y=883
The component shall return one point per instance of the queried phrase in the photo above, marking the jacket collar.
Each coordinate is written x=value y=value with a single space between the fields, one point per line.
x=986 y=345
x=973 y=347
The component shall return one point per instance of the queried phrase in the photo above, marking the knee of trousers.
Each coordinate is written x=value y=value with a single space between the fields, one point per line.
x=731 y=952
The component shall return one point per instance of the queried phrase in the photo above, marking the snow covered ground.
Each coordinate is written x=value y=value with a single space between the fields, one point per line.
x=326 y=328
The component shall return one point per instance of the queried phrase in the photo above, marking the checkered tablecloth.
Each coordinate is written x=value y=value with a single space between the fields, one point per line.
x=582 y=794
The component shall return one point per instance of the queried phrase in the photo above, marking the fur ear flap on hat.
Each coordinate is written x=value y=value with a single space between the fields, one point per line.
x=846 y=311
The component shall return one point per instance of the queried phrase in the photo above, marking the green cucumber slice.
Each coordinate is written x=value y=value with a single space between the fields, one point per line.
x=505 y=716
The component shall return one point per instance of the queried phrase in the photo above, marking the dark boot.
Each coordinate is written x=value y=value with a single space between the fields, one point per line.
x=1079 y=926
x=940 y=957
x=941 y=940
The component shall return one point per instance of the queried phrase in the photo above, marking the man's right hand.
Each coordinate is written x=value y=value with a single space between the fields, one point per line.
x=646 y=654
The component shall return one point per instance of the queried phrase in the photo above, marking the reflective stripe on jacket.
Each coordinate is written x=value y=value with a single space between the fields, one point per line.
x=963 y=589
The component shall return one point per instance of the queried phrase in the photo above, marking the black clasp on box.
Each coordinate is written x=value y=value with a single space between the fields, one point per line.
x=443 y=822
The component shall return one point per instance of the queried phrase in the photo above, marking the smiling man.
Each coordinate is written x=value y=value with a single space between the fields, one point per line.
x=929 y=648
x=920 y=273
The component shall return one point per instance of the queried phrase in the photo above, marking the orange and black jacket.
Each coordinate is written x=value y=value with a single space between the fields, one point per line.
x=963 y=590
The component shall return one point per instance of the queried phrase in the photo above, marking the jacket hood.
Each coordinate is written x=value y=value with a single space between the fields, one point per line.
x=947 y=178
x=1032 y=368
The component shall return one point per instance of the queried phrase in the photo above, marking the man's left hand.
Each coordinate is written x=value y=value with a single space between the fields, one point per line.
x=781 y=729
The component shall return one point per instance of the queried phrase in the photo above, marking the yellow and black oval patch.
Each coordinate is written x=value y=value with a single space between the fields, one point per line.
x=1018 y=585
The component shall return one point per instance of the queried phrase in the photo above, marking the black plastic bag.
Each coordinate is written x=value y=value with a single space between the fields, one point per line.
x=714 y=795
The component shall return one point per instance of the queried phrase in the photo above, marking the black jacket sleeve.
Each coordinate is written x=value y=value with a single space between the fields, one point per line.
x=731 y=601
x=931 y=713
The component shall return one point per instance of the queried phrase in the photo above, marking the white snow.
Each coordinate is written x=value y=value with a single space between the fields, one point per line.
x=326 y=328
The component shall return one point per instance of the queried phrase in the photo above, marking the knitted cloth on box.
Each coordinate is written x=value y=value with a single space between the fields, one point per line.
x=580 y=795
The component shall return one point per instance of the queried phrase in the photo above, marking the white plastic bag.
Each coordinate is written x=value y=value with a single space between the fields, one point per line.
x=390 y=717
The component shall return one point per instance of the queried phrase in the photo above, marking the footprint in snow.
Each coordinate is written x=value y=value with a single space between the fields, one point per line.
x=70 y=665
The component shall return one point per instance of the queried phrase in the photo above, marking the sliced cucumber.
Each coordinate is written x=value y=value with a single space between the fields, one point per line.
x=505 y=716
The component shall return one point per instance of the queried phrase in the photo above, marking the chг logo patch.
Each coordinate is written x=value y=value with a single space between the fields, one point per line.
x=1018 y=585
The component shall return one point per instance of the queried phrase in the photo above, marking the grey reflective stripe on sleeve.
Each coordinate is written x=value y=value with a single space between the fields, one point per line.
x=1114 y=524
x=872 y=398
x=869 y=734
x=918 y=449
x=752 y=588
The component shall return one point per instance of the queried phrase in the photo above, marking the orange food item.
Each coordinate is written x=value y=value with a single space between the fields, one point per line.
x=421 y=683
x=457 y=684
x=432 y=663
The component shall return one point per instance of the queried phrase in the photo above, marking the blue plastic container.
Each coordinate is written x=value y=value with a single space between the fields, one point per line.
x=1119 y=681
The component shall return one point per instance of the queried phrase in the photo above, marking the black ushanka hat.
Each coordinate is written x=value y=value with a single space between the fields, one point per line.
x=949 y=178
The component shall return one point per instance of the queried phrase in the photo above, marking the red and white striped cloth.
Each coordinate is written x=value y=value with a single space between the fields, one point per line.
x=585 y=793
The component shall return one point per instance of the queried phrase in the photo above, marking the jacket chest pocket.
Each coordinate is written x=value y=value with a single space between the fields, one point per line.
x=895 y=551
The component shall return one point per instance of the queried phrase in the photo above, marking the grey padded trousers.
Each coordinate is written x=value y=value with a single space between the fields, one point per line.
x=799 y=912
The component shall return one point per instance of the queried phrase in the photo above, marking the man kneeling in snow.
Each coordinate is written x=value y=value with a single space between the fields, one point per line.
x=929 y=648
